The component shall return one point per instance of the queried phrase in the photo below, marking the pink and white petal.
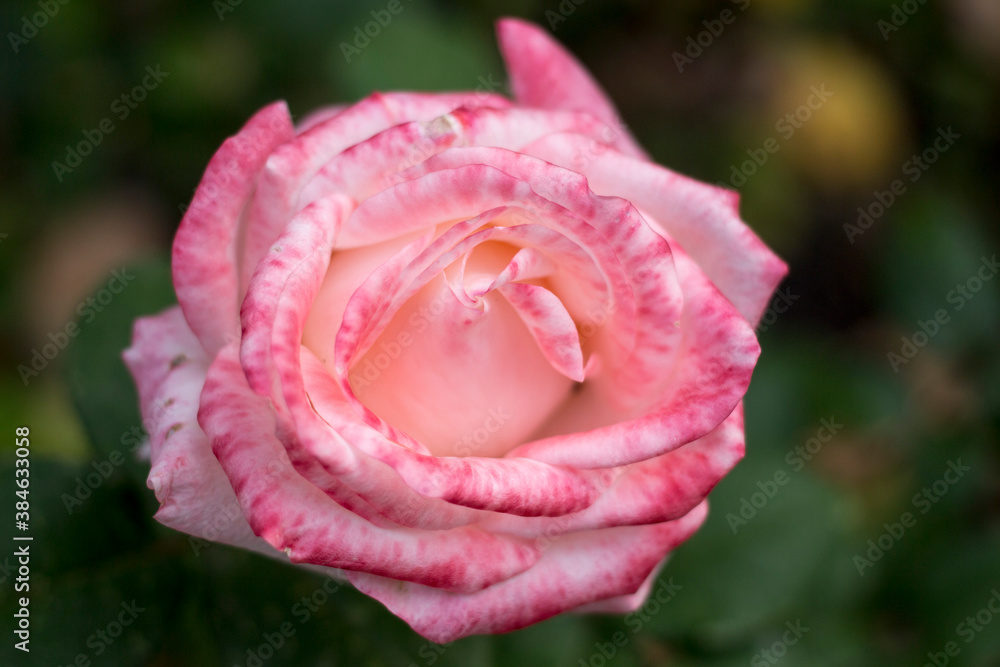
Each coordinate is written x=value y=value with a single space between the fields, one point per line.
x=371 y=165
x=660 y=489
x=160 y=343
x=277 y=304
x=545 y=75
x=326 y=456
x=296 y=517
x=418 y=203
x=317 y=116
x=668 y=486
x=376 y=482
x=307 y=241
x=517 y=486
x=635 y=256
x=579 y=569
x=703 y=218
x=717 y=354
x=205 y=258
x=550 y=325
x=169 y=364
x=623 y=604
x=291 y=167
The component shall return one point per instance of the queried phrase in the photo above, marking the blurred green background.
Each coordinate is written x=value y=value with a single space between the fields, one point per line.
x=783 y=572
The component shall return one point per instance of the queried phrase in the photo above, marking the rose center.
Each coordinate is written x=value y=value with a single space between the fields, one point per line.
x=464 y=379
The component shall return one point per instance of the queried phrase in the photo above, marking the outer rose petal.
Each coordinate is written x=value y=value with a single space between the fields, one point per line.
x=660 y=489
x=294 y=164
x=544 y=75
x=623 y=604
x=577 y=570
x=205 y=267
x=704 y=219
x=296 y=517
x=195 y=496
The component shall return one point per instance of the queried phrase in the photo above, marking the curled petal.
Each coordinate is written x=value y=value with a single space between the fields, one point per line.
x=205 y=268
x=716 y=358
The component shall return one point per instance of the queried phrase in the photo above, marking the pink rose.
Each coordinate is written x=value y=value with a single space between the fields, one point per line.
x=480 y=356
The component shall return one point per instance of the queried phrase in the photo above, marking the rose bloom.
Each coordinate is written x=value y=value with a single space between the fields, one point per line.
x=477 y=355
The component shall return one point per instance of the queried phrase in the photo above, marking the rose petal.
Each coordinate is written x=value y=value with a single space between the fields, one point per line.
x=205 y=269
x=578 y=569
x=546 y=76
x=296 y=517
x=716 y=358
x=195 y=496
x=704 y=219
x=294 y=164
x=550 y=325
